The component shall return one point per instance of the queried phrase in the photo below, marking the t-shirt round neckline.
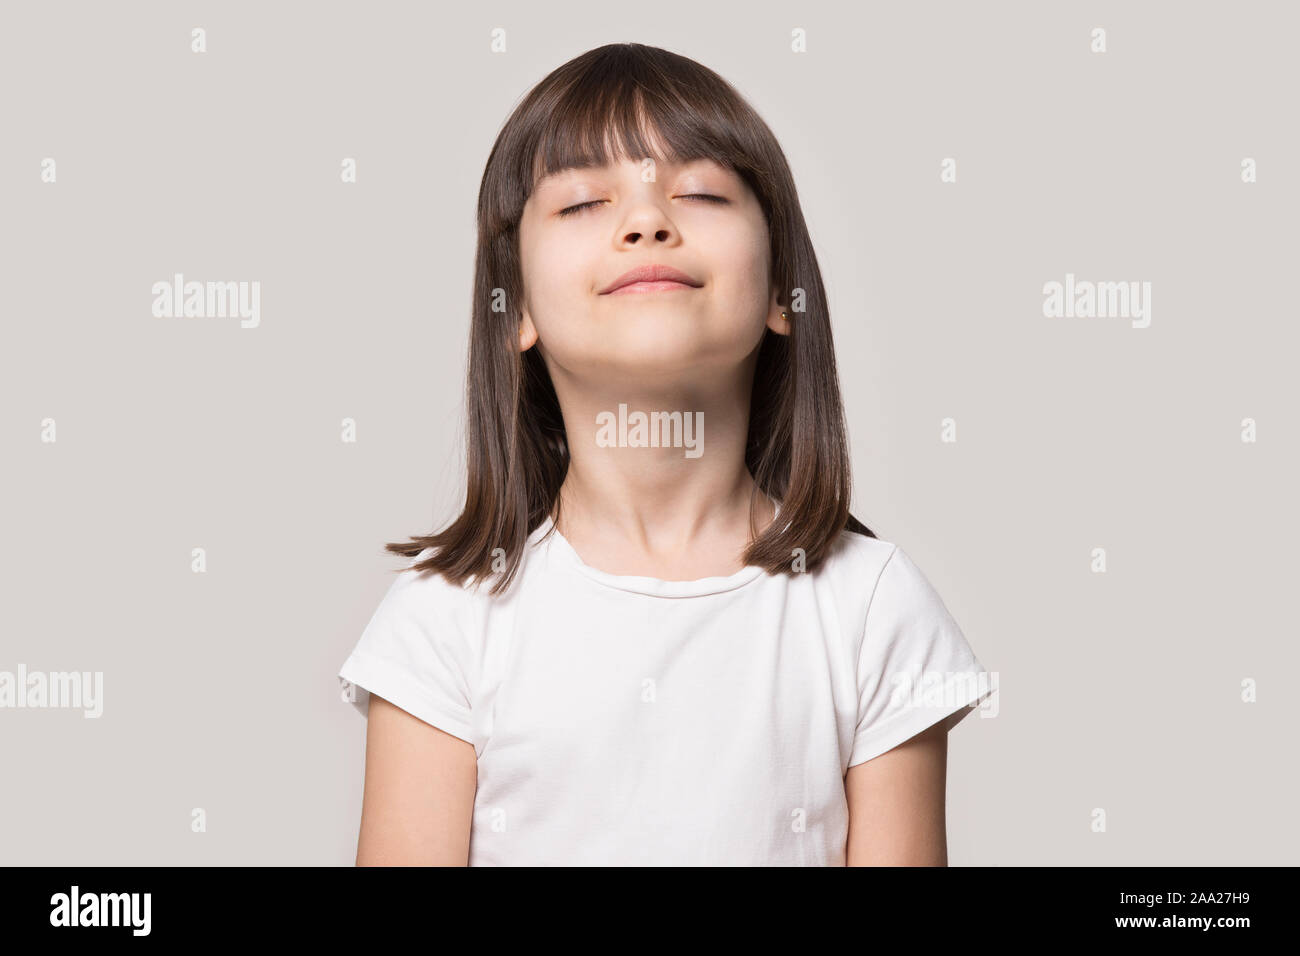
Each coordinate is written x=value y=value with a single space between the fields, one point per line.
x=641 y=584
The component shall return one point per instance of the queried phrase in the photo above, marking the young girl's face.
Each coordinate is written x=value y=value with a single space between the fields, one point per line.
x=630 y=215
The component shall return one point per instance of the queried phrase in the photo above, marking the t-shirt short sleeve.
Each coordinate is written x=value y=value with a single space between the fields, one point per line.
x=914 y=667
x=414 y=655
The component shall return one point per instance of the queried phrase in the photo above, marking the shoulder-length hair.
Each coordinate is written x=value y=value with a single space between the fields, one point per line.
x=594 y=107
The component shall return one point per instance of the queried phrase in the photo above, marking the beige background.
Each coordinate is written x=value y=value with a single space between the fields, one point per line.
x=1119 y=691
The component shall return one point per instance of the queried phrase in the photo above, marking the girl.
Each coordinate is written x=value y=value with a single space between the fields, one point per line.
x=690 y=652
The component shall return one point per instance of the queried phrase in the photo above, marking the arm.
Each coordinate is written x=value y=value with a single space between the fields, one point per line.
x=419 y=792
x=896 y=804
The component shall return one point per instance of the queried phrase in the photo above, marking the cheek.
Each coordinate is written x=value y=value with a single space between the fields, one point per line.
x=553 y=277
x=743 y=265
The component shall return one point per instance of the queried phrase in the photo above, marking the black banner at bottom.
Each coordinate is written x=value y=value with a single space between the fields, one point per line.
x=945 y=906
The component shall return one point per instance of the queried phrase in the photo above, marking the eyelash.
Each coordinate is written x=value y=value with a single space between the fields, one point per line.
x=574 y=210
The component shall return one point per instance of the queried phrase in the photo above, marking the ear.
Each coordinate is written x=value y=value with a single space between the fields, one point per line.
x=527 y=331
x=774 y=321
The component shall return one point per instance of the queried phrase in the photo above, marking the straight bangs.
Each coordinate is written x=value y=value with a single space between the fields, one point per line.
x=611 y=112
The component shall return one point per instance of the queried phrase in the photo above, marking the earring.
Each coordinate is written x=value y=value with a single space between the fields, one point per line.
x=784 y=316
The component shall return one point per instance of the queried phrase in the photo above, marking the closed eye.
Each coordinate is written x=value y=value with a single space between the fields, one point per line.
x=574 y=210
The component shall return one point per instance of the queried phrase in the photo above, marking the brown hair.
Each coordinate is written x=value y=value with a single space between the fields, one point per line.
x=516 y=449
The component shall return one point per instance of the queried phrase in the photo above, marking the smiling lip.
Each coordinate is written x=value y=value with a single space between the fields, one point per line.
x=650 y=279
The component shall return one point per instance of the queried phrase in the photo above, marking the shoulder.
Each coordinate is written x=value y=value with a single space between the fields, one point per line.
x=427 y=598
x=890 y=587
x=856 y=561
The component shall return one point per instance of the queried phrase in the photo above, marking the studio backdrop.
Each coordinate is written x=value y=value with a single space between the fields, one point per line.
x=1059 y=243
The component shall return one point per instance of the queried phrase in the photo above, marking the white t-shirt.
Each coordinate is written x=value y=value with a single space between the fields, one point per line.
x=627 y=720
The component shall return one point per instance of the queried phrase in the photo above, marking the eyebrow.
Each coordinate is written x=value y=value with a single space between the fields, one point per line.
x=570 y=167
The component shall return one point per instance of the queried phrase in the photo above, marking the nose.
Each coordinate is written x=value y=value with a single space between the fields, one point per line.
x=648 y=219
